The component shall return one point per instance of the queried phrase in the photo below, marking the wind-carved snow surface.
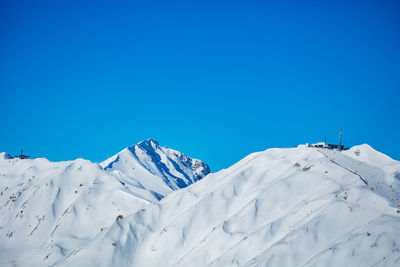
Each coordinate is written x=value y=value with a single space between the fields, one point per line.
x=280 y=207
x=50 y=210
x=143 y=164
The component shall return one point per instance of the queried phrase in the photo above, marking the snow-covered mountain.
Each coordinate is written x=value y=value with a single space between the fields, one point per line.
x=280 y=207
x=143 y=164
x=50 y=209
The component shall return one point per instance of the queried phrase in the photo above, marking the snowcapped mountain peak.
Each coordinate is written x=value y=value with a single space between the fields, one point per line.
x=149 y=142
x=155 y=168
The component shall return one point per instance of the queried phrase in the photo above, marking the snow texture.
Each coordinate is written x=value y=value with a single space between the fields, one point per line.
x=280 y=207
x=48 y=210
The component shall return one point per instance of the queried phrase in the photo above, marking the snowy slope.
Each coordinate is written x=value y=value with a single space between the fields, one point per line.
x=279 y=207
x=143 y=164
x=48 y=210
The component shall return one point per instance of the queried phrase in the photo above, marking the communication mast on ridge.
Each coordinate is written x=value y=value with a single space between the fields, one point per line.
x=330 y=146
x=22 y=156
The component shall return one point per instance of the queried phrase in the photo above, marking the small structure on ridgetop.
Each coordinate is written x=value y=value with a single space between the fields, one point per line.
x=330 y=146
x=22 y=156
x=320 y=145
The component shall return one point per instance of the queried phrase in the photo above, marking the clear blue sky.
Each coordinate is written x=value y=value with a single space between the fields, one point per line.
x=216 y=80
